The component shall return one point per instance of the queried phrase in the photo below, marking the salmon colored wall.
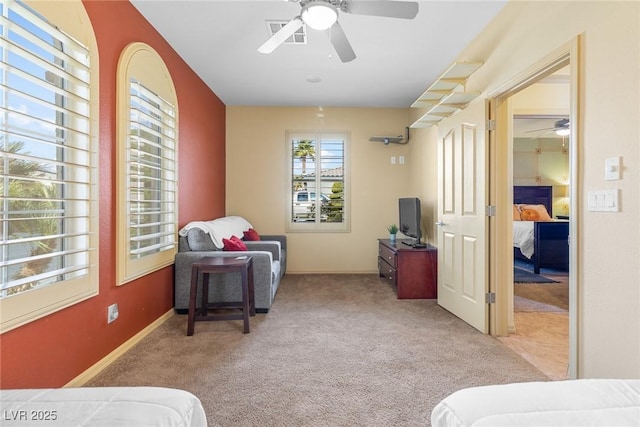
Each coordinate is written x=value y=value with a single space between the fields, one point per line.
x=52 y=351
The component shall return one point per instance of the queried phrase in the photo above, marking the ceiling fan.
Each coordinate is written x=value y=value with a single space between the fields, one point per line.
x=323 y=15
x=560 y=127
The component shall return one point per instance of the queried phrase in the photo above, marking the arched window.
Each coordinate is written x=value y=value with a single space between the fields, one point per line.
x=147 y=163
x=48 y=169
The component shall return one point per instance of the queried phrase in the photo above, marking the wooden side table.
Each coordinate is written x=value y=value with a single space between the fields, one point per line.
x=219 y=265
x=413 y=271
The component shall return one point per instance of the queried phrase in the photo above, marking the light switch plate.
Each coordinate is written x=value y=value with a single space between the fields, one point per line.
x=612 y=169
x=603 y=201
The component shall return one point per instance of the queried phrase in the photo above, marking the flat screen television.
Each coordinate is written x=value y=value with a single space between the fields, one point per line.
x=411 y=220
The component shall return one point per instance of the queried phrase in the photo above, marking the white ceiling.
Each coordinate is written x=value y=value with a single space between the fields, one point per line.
x=396 y=59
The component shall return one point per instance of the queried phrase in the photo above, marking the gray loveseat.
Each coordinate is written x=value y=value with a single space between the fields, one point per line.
x=269 y=256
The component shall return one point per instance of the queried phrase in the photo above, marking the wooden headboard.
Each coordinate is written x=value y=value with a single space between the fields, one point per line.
x=534 y=195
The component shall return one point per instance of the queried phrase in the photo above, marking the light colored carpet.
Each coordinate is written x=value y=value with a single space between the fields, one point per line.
x=536 y=297
x=335 y=350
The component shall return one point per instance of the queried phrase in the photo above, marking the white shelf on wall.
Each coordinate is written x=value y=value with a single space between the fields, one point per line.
x=446 y=95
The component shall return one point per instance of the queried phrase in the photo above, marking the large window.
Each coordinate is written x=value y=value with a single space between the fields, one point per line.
x=147 y=165
x=318 y=182
x=48 y=166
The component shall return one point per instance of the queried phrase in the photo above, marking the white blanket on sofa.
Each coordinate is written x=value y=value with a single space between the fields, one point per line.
x=221 y=228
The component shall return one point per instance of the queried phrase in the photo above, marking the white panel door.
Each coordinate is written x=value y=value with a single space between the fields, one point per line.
x=462 y=222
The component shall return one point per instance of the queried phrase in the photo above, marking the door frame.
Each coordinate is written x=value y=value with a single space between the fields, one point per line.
x=501 y=182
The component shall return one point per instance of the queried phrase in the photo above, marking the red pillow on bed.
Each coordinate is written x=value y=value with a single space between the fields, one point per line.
x=251 y=235
x=234 y=244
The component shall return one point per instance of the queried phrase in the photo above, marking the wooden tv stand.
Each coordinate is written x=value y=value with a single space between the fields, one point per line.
x=413 y=271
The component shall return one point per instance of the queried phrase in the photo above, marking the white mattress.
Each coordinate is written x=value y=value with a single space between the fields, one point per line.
x=592 y=402
x=101 y=406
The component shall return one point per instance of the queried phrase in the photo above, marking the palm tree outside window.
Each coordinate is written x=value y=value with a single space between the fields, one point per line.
x=318 y=177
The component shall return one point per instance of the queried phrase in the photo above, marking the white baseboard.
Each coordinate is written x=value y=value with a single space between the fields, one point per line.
x=294 y=273
x=95 y=369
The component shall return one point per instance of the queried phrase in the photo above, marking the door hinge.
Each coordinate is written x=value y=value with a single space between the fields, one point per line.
x=491 y=210
x=491 y=124
x=490 y=297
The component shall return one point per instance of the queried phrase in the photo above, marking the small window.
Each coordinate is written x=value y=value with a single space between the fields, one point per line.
x=318 y=182
x=147 y=165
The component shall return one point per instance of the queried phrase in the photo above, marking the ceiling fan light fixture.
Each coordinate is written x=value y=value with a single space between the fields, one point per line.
x=563 y=131
x=319 y=15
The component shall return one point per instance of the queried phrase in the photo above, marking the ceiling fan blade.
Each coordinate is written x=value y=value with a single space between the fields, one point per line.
x=278 y=38
x=390 y=9
x=539 y=130
x=341 y=43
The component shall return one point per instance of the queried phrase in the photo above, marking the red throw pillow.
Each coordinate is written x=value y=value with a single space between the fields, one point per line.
x=251 y=235
x=234 y=244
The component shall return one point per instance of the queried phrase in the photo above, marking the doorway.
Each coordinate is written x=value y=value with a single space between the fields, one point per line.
x=504 y=106
x=539 y=327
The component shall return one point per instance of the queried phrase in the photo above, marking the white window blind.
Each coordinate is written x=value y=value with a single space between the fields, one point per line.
x=152 y=175
x=318 y=182
x=48 y=165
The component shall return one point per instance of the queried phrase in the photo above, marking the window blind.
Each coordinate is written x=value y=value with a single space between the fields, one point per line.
x=152 y=176
x=318 y=178
x=48 y=168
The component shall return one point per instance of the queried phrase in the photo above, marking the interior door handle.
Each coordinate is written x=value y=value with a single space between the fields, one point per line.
x=440 y=223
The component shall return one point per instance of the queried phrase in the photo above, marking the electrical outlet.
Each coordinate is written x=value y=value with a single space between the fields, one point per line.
x=112 y=313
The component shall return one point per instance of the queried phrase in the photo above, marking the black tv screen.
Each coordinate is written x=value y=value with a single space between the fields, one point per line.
x=410 y=217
